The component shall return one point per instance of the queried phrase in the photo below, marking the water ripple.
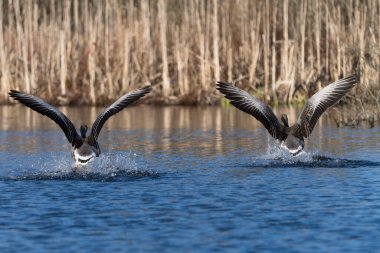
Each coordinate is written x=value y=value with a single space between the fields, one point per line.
x=276 y=157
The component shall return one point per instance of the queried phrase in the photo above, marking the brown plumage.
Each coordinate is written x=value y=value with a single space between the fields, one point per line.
x=291 y=138
x=85 y=148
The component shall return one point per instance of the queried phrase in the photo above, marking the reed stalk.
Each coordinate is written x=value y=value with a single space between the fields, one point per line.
x=5 y=85
x=215 y=30
x=165 y=67
x=274 y=23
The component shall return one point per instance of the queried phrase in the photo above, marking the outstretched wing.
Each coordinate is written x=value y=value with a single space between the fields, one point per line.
x=53 y=113
x=116 y=107
x=319 y=103
x=251 y=105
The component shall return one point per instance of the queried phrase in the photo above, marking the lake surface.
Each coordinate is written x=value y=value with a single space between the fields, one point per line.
x=186 y=179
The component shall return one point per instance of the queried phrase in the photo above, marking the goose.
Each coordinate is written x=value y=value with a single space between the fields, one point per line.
x=292 y=137
x=84 y=148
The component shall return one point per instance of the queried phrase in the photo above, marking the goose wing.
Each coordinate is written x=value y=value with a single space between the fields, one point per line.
x=116 y=107
x=319 y=103
x=255 y=107
x=53 y=113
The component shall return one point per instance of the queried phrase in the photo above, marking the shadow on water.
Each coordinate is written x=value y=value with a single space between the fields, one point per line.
x=117 y=176
x=276 y=157
x=116 y=167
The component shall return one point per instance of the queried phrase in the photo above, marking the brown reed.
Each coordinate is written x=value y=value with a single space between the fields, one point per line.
x=90 y=52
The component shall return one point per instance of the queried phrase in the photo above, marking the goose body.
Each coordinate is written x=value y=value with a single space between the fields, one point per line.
x=292 y=137
x=84 y=147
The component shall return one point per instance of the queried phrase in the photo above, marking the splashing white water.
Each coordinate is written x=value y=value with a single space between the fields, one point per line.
x=275 y=152
x=113 y=162
x=56 y=166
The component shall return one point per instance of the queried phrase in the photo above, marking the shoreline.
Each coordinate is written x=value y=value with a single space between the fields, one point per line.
x=343 y=114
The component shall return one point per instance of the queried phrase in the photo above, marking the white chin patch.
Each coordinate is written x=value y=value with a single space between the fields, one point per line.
x=83 y=160
x=295 y=151
x=292 y=151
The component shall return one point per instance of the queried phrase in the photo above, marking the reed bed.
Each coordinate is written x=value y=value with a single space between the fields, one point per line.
x=90 y=52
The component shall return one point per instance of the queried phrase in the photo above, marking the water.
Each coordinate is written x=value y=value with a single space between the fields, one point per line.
x=180 y=179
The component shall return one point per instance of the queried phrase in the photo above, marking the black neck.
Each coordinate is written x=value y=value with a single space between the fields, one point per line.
x=83 y=131
x=284 y=119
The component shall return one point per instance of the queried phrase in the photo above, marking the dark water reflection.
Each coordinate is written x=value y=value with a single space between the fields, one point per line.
x=184 y=179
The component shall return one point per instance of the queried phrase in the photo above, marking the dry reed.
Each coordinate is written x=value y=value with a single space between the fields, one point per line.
x=90 y=52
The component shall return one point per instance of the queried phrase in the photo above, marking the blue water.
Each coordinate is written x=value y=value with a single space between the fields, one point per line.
x=215 y=182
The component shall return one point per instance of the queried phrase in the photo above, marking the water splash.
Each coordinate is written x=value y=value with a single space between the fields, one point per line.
x=276 y=157
x=275 y=152
x=107 y=167
x=109 y=163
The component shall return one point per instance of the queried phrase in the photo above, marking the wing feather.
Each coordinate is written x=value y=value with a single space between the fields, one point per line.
x=320 y=102
x=116 y=107
x=53 y=113
x=253 y=106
